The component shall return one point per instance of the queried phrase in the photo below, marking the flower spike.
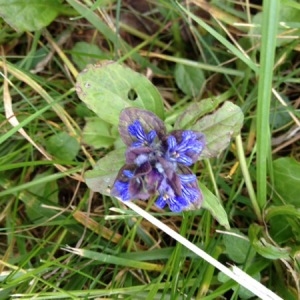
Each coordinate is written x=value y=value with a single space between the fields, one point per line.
x=157 y=163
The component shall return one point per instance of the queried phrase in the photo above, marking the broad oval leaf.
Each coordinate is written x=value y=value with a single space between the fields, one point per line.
x=213 y=204
x=29 y=15
x=63 y=146
x=102 y=177
x=84 y=53
x=194 y=112
x=98 y=133
x=44 y=193
x=238 y=247
x=219 y=127
x=287 y=179
x=197 y=110
x=107 y=89
x=189 y=79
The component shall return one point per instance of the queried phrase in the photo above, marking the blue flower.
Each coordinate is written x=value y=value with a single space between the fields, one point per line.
x=189 y=188
x=129 y=185
x=167 y=196
x=175 y=203
x=143 y=139
x=182 y=199
x=121 y=186
x=184 y=146
x=157 y=163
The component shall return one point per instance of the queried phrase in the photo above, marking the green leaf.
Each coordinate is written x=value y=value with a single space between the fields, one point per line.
x=263 y=247
x=82 y=111
x=114 y=260
x=84 y=53
x=219 y=127
x=288 y=22
x=189 y=79
x=283 y=226
x=279 y=114
x=98 y=133
x=238 y=247
x=43 y=193
x=63 y=146
x=283 y=229
x=213 y=204
x=102 y=177
x=291 y=3
x=286 y=172
x=29 y=15
x=107 y=89
x=194 y=112
x=197 y=110
x=286 y=210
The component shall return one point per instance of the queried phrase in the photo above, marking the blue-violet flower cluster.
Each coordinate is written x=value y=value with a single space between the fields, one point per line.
x=157 y=162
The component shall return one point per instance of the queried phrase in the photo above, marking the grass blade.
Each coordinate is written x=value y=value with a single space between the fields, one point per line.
x=267 y=54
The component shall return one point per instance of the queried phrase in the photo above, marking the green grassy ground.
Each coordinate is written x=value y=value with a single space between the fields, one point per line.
x=60 y=240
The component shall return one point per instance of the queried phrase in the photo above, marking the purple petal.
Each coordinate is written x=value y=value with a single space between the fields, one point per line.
x=175 y=184
x=171 y=141
x=187 y=178
x=160 y=202
x=136 y=130
x=120 y=188
x=152 y=181
x=167 y=169
x=128 y=173
x=184 y=146
x=137 y=155
x=137 y=190
x=143 y=169
x=151 y=136
x=190 y=188
x=165 y=166
x=178 y=204
x=185 y=160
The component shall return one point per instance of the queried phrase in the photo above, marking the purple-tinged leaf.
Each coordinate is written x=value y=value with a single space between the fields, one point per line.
x=148 y=122
x=219 y=127
x=137 y=190
x=197 y=110
x=143 y=169
x=137 y=155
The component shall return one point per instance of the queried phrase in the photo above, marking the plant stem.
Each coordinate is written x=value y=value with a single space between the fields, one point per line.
x=247 y=178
